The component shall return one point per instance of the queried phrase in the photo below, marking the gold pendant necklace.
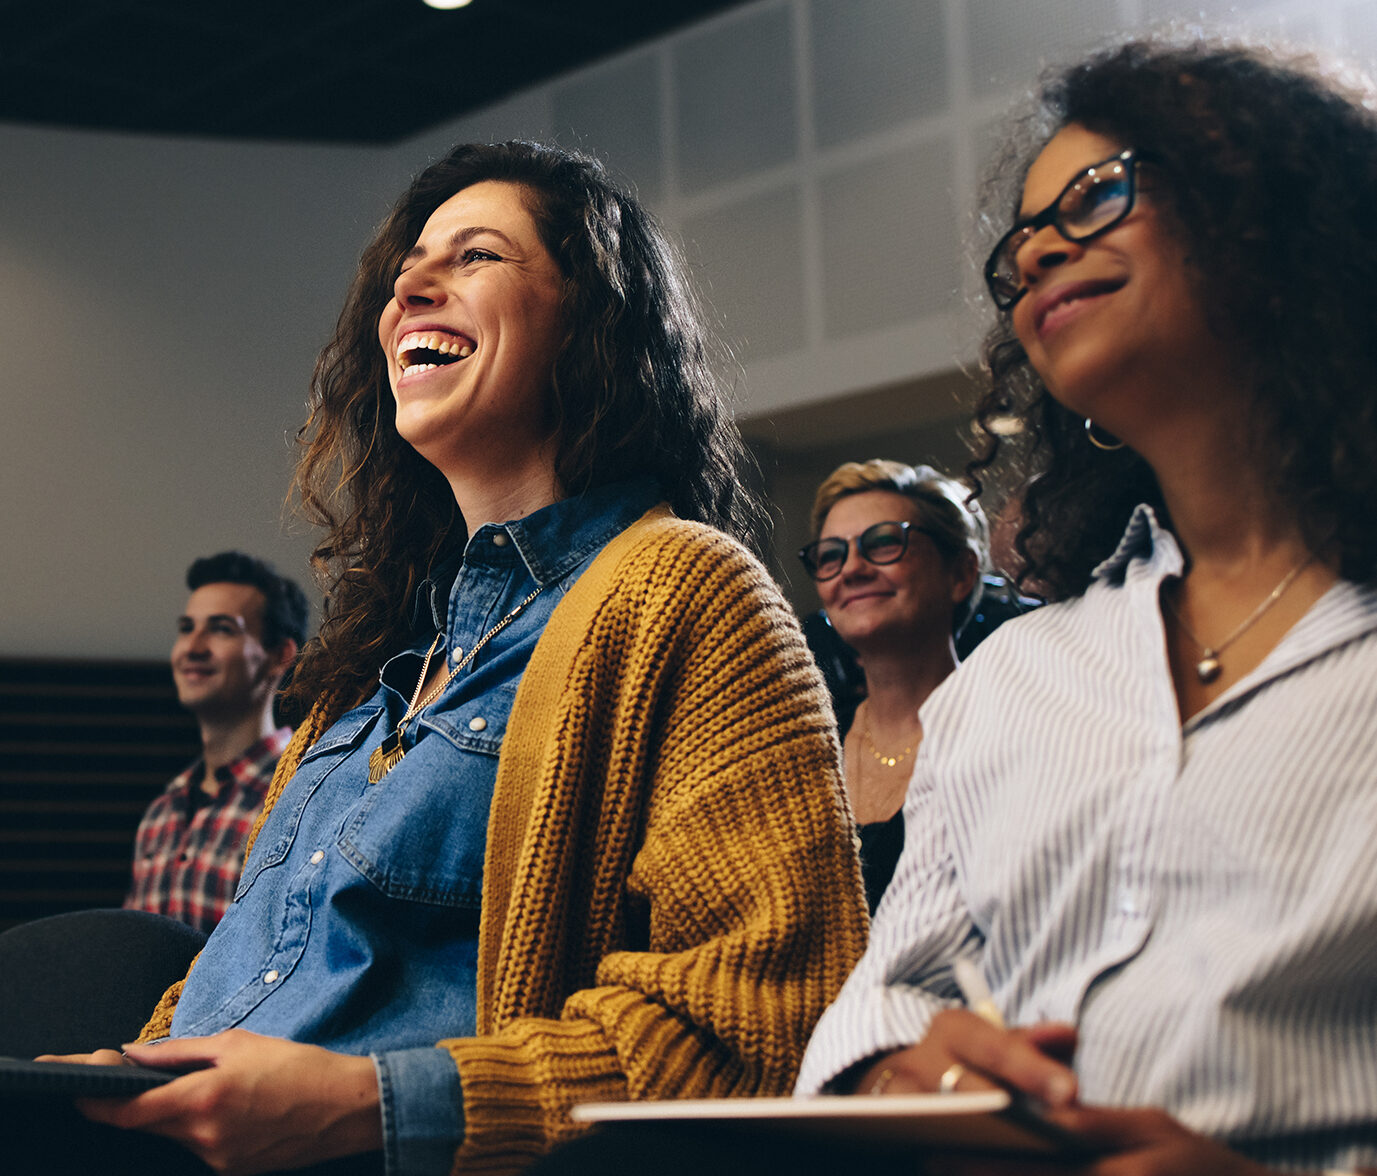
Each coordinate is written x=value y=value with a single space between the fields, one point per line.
x=1209 y=667
x=388 y=754
x=889 y=761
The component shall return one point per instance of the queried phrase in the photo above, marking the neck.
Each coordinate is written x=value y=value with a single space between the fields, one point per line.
x=1190 y=418
x=483 y=500
x=225 y=739
x=900 y=676
x=1221 y=509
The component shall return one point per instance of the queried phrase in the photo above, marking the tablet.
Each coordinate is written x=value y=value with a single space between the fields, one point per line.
x=77 y=1080
x=984 y=1120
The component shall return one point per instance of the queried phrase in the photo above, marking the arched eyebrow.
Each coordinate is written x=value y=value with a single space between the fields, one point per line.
x=458 y=239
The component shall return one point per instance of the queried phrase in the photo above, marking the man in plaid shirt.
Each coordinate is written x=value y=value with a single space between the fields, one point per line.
x=240 y=631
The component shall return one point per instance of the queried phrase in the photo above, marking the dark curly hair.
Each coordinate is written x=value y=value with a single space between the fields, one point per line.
x=1270 y=173
x=635 y=390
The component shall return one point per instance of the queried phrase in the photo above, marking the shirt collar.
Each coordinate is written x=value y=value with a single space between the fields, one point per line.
x=1148 y=553
x=243 y=768
x=1144 y=538
x=551 y=542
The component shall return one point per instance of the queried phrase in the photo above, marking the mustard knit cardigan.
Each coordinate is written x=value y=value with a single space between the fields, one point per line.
x=671 y=895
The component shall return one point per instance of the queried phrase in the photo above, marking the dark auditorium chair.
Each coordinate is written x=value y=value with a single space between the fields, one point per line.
x=88 y=979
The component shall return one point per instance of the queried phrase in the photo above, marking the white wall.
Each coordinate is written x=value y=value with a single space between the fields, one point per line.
x=162 y=300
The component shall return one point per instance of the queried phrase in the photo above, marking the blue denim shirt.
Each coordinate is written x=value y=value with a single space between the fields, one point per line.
x=355 y=924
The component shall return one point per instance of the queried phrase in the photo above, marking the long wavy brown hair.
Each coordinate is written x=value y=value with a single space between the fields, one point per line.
x=1270 y=170
x=636 y=390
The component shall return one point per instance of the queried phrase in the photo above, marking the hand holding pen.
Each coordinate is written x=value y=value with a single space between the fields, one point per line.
x=970 y=1048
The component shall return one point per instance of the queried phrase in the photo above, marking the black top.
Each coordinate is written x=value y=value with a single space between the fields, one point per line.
x=881 y=844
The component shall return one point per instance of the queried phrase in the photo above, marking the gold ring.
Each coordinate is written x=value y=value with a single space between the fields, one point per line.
x=882 y=1080
x=950 y=1077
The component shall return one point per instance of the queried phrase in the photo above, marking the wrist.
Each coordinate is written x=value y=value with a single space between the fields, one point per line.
x=358 y=1124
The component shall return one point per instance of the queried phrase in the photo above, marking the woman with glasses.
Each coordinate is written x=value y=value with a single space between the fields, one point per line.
x=897 y=561
x=1151 y=840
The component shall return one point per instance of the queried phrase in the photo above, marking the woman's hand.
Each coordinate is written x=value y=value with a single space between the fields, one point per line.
x=1134 y=1143
x=250 y=1103
x=1032 y=1060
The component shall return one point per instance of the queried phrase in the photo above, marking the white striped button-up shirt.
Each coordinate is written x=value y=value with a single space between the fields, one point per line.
x=1200 y=900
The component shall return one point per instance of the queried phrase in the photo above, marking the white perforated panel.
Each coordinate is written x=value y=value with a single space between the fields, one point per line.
x=1010 y=43
x=890 y=243
x=737 y=99
x=751 y=269
x=876 y=64
x=615 y=113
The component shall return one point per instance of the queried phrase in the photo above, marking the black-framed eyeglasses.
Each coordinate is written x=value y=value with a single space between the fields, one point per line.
x=1092 y=203
x=880 y=543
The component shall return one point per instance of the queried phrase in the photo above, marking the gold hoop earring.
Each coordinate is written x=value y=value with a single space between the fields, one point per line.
x=1108 y=446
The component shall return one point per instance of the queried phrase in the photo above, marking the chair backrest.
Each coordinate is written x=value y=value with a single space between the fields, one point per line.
x=87 y=980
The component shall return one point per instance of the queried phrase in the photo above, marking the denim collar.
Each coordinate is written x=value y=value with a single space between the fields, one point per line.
x=551 y=542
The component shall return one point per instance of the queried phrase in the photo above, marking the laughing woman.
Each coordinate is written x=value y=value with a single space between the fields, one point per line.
x=565 y=821
x=1153 y=834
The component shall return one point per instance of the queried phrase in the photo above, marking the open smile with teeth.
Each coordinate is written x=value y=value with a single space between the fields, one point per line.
x=420 y=351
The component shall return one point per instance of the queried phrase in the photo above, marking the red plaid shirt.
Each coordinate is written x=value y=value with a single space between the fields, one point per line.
x=186 y=863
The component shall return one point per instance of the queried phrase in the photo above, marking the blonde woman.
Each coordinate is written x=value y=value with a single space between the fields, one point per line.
x=897 y=560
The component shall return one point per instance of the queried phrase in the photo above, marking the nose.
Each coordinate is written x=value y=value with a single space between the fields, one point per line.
x=416 y=286
x=1045 y=250
x=193 y=643
x=855 y=563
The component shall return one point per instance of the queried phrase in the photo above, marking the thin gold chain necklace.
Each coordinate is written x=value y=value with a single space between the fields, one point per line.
x=1209 y=667
x=388 y=754
x=889 y=761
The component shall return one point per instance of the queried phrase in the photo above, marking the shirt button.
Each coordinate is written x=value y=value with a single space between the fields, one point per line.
x=317 y=857
x=456 y=653
x=499 y=539
x=270 y=976
x=478 y=723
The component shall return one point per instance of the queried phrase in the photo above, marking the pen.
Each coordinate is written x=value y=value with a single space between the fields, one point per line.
x=976 y=992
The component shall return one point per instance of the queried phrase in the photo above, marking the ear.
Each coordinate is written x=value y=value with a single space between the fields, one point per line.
x=283 y=656
x=965 y=570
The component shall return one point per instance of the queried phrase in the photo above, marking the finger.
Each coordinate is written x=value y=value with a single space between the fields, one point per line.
x=178 y=1053
x=101 y=1057
x=1112 y=1129
x=161 y=1109
x=1054 y=1038
x=1010 y=1059
x=959 y=1078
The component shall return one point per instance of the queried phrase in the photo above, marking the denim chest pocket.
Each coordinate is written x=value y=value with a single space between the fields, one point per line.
x=421 y=832
x=280 y=828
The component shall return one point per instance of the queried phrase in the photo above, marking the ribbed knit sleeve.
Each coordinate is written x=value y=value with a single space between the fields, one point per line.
x=671 y=889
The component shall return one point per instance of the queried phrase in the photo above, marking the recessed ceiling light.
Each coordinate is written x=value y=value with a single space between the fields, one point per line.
x=446 y=5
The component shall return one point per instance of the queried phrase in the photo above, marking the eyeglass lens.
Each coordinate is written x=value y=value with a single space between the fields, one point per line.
x=1096 y=200
x=880 y=543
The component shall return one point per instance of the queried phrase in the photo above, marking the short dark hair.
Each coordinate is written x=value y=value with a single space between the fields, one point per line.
x=1270 y=173
x=285 y=611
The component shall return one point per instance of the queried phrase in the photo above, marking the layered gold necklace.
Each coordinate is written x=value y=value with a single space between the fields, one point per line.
x=389 y=753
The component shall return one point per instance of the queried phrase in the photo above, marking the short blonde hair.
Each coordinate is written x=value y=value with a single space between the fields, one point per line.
x=954 y=521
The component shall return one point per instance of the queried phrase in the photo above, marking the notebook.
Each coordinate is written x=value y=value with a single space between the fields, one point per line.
x=985 y=1120
x=76 y=1080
